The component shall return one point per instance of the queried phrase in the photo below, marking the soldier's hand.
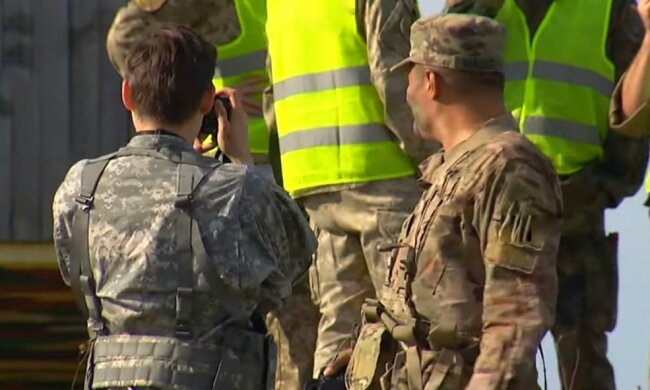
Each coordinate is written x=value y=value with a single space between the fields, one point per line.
x=643 y=7
x=233 y=134
x=341 y=360
x=249 y=91
x=202 y=145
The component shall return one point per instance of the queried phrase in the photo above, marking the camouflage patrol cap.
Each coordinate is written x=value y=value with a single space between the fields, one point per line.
x=457 y=41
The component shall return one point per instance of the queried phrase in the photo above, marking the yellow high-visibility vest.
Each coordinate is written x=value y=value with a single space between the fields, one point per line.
x=243 y=58
x=330 y=119
x=559 y=84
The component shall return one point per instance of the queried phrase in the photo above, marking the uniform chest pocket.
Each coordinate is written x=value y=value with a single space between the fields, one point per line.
x=444 y=258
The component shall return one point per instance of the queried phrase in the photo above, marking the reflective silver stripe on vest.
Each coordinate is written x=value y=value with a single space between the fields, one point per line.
x=570 y=131
x=239 y=65
x=328 y=136
x=323 y=81
x=516 y=71
x=553 y=71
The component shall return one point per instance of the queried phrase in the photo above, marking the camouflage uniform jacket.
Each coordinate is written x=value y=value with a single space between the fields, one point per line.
x=478 y=254
x=620 y=173
x=257 y=238
x=216 y=20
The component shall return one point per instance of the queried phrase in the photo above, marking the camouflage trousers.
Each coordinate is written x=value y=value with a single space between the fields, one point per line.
x=588 y=289
x=294 y=329
x=351 y=226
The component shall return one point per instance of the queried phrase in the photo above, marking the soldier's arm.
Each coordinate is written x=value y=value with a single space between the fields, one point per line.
x=521 y=233
x=628 y=35
x=130 y=21
x=385 y=26
x=63 y=209
x=281 y=232
x=629 y=114
x=620 y=172
x=269 y=117
x=216 y=21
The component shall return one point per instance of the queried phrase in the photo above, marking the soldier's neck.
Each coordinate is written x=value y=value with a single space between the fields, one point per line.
x=461 y=122
x=186 y=130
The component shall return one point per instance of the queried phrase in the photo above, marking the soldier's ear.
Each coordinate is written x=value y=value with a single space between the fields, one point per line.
x=207 y=101
x=126 y=96
x=432 y=83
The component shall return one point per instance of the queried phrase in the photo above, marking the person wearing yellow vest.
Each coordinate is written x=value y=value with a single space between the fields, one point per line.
x=237 y=29
x=564 y=84
x=347 y=147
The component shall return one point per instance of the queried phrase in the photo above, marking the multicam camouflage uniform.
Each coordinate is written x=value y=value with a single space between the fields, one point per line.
x=352 y=221
x=471 y=288
x=294 y=328
x=587 y=258
x=257 y=241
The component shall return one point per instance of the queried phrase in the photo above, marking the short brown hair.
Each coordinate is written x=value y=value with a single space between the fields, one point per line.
x=169 y=69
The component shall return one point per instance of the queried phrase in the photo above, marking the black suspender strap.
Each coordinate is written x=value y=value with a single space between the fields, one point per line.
x=81 y=275
x=184 y=202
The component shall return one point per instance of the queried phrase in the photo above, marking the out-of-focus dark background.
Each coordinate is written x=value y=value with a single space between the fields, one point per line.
x=59 y=102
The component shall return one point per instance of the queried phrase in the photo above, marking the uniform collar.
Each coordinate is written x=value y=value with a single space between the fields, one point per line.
x=158 y=139
x=488 y=130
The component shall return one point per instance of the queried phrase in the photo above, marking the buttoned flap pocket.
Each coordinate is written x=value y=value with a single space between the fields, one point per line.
x=520 y=236
x=363 y=364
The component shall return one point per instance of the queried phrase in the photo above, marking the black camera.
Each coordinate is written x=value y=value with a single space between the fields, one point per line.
x=210 y=124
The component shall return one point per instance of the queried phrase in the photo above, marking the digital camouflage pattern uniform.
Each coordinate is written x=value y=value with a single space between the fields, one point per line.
x=475 y=266
x=352 y=221
x=256 y=237
x=587 y=259
x=294 y=327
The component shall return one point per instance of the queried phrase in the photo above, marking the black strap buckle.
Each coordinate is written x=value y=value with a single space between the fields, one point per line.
x=183 y=311
x=85 y=201
x=184 y=201
x=183 y=330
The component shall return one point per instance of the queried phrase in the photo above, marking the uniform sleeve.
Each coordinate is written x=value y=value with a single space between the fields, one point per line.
x=63 y=209
x=620 y=172
x=276 y=230
x=522 y=232
x=216 y=21
x=386 y=28
x=625 y=38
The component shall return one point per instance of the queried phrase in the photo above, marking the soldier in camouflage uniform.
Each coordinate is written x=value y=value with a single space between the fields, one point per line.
x=471 y=286
x=354 y=220
x=587 y=260
x=175 y=253
x=293 y=328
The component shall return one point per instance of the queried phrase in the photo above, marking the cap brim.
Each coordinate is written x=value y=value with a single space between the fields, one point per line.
x=401 y=65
